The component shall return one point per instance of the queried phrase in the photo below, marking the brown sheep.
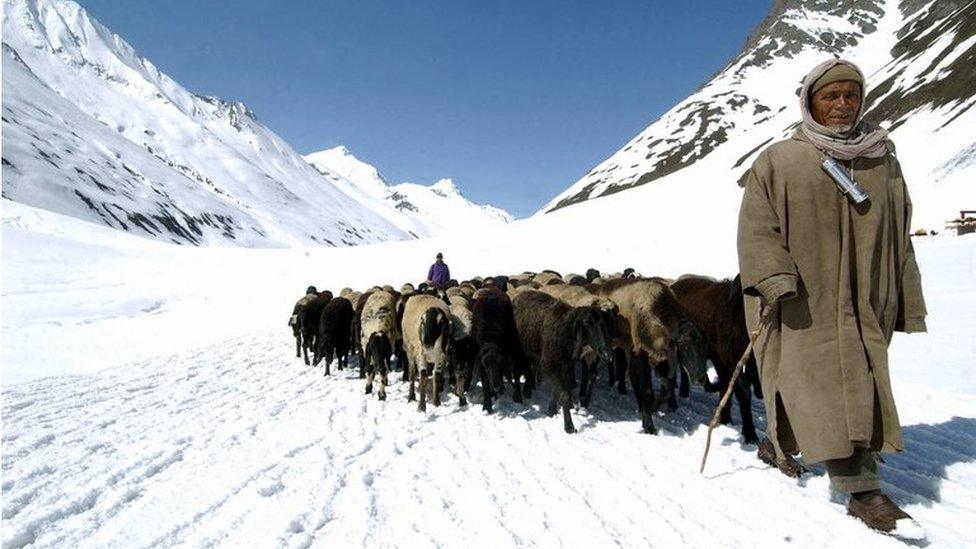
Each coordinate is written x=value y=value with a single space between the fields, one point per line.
x=426 y=340
x=379 y=335
x=455 y=291
x=546 y=277
x=467 y=289
x=662 y=336
x=717 y=307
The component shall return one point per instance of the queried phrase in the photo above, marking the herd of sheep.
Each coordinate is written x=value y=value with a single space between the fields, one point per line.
x=510 y=332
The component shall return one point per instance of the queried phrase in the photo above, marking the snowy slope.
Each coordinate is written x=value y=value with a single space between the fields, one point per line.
x=920 y=61
x=94 y=131
x=421 y=210
x=208 y=430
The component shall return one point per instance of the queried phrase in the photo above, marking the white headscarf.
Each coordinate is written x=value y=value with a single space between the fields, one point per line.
x=862 y=139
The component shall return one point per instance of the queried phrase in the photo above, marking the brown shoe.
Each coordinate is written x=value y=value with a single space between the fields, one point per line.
x=880 y=513
x=788 y=466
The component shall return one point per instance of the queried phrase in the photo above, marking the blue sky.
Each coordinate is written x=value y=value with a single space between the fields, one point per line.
x=513 y=100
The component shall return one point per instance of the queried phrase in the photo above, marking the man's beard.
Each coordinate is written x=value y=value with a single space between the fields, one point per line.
x=844 y=129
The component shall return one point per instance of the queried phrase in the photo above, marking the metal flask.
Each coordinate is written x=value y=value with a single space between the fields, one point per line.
x=844 y=182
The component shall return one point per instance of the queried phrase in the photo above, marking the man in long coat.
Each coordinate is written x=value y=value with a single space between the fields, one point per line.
x=840 y=277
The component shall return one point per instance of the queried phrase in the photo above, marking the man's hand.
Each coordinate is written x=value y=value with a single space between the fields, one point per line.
x=776 y=288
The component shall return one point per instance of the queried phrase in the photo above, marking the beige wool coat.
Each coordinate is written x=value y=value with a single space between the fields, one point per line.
x=824 y=356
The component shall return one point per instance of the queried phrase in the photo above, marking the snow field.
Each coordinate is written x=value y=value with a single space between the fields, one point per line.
x=240 y=443
x=207 y=431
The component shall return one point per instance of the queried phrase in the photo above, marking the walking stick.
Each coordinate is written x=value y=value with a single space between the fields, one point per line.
x=763 y=319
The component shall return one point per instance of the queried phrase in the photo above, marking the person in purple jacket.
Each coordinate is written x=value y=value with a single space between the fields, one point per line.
x=439 y=273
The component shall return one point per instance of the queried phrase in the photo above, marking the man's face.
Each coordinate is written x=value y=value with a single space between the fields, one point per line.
x=836 y=104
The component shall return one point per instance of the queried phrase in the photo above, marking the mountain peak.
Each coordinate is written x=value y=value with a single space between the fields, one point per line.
x=446 y=186
x=917 y=57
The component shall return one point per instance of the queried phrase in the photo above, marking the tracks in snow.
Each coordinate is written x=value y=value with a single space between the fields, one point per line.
x=239 y=442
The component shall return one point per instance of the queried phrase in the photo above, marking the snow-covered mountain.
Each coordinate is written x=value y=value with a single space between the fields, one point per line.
x=920 y=61
x=418 y=209
x=94 y=131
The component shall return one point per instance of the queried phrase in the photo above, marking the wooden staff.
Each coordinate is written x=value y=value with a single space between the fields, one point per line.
x=763 y=320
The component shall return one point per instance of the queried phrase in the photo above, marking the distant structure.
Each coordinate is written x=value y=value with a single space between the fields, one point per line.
x=965 y=224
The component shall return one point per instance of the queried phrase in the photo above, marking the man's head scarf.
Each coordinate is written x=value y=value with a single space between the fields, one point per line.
x=861 y=139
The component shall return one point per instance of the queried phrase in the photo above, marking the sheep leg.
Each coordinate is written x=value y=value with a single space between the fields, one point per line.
x=369 y=372
x=486 y=391
x=438 y=380
x=424 y=379
x=685 y=389
x=561 y=380
x=298 y=346
x=724 y=377
x=459 y=384
x=591 y=384
x=410 y=374
x=642 y=383
x=620 y=359
x=668 y=390
x=635 y=382
x=406 y=367
x=584 y=380
x=305 y=350
x=529 y=386
x=384 y=379
x=517 y=387
x=744 y=399
x=589 y=381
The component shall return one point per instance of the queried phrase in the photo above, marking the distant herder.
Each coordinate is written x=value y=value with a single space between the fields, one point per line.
x=842 y=277
x=439 y=273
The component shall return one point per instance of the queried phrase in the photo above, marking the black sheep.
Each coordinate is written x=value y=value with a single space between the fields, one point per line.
x=335 y=333
x=553 y=336
x=296 y=330
x=499 y=351
x=308 y=321
x=501 y=282
x=578 y=280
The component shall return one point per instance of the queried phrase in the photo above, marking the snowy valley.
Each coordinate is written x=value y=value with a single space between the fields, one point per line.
x=154 y=242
